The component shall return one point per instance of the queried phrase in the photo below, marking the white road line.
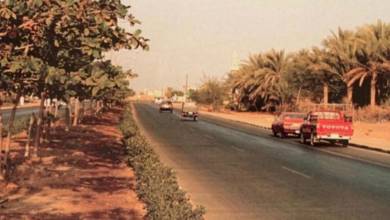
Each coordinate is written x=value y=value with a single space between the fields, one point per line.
x=237 y=148
x=296 y=172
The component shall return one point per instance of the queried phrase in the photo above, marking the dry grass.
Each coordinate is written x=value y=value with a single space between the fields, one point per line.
x=376 y=114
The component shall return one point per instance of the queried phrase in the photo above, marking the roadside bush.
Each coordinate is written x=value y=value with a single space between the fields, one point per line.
x=157 y=184
x=369 y=114
x=20 y=124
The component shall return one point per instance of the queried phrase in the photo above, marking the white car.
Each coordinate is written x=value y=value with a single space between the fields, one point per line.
x=158 y=101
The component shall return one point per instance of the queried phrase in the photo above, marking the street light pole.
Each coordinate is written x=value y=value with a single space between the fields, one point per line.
x=186 y=89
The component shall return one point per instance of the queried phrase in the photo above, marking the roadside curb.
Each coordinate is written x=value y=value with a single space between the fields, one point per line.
x=269 y=129
x=369 y=148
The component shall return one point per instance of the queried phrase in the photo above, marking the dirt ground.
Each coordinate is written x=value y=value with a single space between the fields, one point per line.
x=82 y=174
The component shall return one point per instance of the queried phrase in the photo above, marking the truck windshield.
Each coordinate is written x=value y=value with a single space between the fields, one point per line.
x=293 y=116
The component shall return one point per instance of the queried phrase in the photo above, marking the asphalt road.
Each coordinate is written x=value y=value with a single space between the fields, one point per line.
x=19 y=112
x=240 y=172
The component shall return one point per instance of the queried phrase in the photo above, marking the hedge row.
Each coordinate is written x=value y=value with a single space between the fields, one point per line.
x=20 y=124
x=156 y=184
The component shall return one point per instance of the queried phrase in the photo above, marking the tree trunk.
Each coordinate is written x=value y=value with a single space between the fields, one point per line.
x=48 y=126
x=82 y=111
x=11 y=123
x=67 y=116
x=350 y=94
x=76 y=111
x=1 y=133
x=1 y=148
x=326 y=93
x=56 y=109
x=373 y=89
x=29 y=135
x=38 y=131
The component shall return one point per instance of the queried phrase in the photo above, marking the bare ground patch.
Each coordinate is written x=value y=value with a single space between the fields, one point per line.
x=81 y=174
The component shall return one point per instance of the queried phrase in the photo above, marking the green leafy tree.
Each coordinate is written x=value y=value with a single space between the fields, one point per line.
x=211 y=92
x=65 y=36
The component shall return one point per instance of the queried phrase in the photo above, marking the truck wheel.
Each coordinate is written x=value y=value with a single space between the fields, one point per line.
x=303 y=139
x=274 y=133
x=345 y=143
x=312 y=139
x=283 y=134
x=195 y=118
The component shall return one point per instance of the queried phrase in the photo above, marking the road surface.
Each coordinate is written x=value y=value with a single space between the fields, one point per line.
x=20 y=112
x=244 y=173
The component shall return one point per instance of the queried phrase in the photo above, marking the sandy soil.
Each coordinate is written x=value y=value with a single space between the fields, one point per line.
x=82 y=174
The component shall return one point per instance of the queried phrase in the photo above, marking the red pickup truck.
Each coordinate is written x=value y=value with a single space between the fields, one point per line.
x=288 y=123
x=332 y=126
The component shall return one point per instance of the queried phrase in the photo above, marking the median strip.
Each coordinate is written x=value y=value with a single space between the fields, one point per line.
x=157 y=184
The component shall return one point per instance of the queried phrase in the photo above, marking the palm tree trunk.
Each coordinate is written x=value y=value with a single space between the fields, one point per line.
x=373 y=88
x=326 y=93
x=350 y=94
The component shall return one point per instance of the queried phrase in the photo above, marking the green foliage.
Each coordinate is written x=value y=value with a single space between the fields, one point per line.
x=156 y=184
x=64 y=37
x=348 y=61
x=212 y=92
x=262 y=78
x=20 y=124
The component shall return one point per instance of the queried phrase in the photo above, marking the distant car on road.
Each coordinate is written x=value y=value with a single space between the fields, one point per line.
x=288 y=123
x=332 y=126
x=158 y=101
x=166 y=106
x=189 y=110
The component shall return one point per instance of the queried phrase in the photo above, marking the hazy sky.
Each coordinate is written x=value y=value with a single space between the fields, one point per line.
x=202 y=37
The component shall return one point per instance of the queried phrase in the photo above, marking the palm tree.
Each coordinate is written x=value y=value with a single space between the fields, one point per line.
x=341 y=49
x=270 y=79
x=244 y=80
x=373 y=55
x=321 y=64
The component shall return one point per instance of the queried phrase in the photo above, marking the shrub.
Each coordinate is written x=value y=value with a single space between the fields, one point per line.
x=156 y=184
x=376 y=114
x=20 y=124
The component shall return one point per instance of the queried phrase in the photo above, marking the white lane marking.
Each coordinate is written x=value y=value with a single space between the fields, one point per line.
x=208 y=136
x=355 y=158
x=296 y=172
x=237 y=148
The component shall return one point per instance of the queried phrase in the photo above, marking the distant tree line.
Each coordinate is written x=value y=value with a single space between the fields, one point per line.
x=351 y=66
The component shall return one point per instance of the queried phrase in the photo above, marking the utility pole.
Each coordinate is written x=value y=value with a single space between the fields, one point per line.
x=186 y=89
